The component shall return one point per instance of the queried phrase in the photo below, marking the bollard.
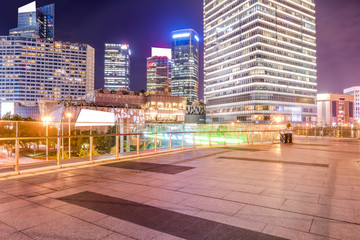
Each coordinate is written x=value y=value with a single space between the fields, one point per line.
x=17 y=152
x=58 y=155
x=117 y=146
x=170 y=142
x=138 y=144
x=91 y=149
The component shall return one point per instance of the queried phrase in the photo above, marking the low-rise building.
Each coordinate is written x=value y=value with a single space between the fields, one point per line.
x=335 y=109
x=355 y=91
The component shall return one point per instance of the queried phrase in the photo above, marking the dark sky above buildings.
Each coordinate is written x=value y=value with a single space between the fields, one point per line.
x=144 y=23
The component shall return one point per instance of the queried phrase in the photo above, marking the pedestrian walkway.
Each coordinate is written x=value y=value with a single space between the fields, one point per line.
x=307 y=190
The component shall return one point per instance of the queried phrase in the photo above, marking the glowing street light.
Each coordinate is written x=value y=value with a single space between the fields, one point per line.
x=46 y=120
x=69 y=115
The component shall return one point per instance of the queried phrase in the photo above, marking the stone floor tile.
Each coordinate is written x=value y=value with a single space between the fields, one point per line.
x=173 y=207
x=165 y=236
x=212 y=204
x=67 y=228
x=300 y=196
x=127 y=228
x=291 y=234
x=117 y=236
x=16 y=236
x=13 y=205
x=233 y=221
x=256 y=199
x=205 y=191
x=164 y=194
x=335 y=229
x=276 y=217
x=319 y=210
x=6 y=230
x=46 y=201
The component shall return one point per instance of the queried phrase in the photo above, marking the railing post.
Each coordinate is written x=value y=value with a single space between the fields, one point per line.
x=58 y=155
x=248 y=137
x=138 y=144
x=194 y=143
x=210 y=140
x=238 y=136
x=17 y=154
x=262 y=137
x=170 y=141
x=182 y=141
x=155 y=143
x=117 y=145
x=225 y=138
x=252 y=138
x=91 y=149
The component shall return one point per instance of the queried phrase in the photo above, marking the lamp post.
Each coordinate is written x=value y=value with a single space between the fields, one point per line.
x=46 y=120
x=69 y=115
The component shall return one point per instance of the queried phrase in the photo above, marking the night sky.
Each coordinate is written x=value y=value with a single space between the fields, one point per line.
x=143 y=24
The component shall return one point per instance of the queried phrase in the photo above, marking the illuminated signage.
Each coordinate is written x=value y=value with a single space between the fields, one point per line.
x=181 y=35
x=197 y=38
x=95 y=118
x=161 y=52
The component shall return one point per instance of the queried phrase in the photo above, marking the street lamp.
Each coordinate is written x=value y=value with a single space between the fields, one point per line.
x=276 y=119
x=69 y=115
x=46 y=120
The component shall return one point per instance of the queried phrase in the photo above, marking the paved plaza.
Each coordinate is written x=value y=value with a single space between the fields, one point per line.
x=307 y=190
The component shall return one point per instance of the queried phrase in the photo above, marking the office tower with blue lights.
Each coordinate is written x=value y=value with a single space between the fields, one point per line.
x=117 y=66
x=33 y=21
x=158 y=73
x=260 y=60
x=185 y=64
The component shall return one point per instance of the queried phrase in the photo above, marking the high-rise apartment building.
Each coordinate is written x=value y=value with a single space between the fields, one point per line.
x=355 y=91
x=185 y=64
x=260 y=60
x=117 y=66
x=33 y=68
x=159 y=70
x=35 y=21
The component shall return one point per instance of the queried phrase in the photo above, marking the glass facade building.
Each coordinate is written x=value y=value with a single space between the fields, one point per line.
x=158 y=73
x=34 y=68
x=185 y=64
x=117 y=66
x=355 y=91
x=35 y=21
x=260 y=60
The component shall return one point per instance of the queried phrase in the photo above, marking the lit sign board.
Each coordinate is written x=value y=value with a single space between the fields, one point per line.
x=7 y=107
x=31 y=7
x=197 y=38
x=181 y=35
x=95 y=118
x=161 y=52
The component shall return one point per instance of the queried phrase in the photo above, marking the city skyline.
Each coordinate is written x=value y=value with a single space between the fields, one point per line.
x=336 y=42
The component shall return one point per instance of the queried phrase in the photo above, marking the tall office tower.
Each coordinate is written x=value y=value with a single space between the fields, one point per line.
x=117 y=66
x=35 y=21
x=33 y=68
x=260 y=60
x=159 y=70
x=185 y=69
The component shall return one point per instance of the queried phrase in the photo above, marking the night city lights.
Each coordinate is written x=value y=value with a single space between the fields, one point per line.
x=191 y=119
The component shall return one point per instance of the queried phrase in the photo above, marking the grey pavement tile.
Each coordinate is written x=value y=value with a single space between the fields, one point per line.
x=127 y=228
x=6 y=230
x=277 y=217
x=173 y=207
x=165 y=236
x=319 y=210
x=13 y=205
x=164 y=195
x=212 y=204
x=46 y=201
x=291 y=234
x=300 y=196
x=117 y=236
x=233 y=221
x=335 y=229
x=67 y=228
x=28 y=216
x=69 y=209
x=205 y=191
x=256 y=199
x=16 y=236
x=62 y=193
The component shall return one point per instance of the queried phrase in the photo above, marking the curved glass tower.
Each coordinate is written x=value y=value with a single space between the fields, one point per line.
x=185 y=60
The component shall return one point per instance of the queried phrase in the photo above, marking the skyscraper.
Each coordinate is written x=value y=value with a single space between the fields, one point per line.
x=185 y=68
x=36 y=69
x=117 y=66
x=260 y=60
x=35 y=21
x=159 y=70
